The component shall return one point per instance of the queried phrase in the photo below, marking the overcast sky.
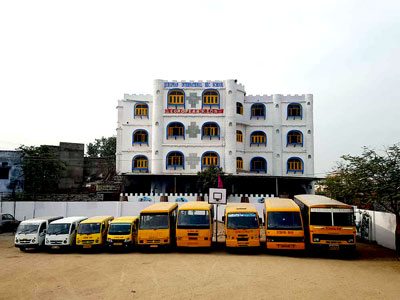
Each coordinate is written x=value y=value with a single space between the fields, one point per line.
x=64 y=64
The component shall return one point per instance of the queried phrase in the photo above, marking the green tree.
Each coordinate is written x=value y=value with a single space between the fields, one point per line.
x=371 y=178
x=41 y=167
x=103 y=147
x=208 y=178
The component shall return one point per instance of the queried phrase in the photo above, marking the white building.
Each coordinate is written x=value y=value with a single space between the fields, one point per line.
x=185 y=127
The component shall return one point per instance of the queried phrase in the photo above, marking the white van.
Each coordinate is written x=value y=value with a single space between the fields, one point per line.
x=62 y=233
x=31 y=233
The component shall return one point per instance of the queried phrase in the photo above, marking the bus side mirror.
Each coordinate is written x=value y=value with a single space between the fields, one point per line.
x=223 y=219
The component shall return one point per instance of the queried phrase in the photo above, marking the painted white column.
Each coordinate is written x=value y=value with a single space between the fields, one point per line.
x=309 y=137
x=157 y=128
x=230 y=127
x=277 y=166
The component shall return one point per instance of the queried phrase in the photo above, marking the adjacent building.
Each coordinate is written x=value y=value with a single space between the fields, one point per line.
x=266 y=142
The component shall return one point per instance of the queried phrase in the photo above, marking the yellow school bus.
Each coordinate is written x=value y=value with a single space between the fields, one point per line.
x=242 y=226
x=283 y=224
x=328 y=223
x=157 y=225
x=194 y=224
x=93 y=231
x=123 y=232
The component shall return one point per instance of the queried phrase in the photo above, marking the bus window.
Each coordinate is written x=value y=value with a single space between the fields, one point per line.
x=321 y=218
x=284 y=220
x=193 y=219
x=154 y=221
x=343 y=219
x=242 y=221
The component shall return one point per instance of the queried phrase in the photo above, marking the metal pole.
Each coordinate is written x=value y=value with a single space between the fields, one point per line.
x=276 y=187
x=216 y=225
x=175 y=185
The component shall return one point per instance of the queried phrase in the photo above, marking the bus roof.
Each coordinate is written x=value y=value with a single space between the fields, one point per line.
x=318 y=200
x=41 y=219
x=195 y=205
x=160 y=207
x=240 y=207
x=127 y=219
x=97 y=219
x=281 y=204
x=69 y=220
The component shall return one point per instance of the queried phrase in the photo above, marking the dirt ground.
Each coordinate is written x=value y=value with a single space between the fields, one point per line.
x=373 y=274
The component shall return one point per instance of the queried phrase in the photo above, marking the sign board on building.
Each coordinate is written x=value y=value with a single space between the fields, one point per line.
x=201 y=85
x=217 y=196
x=193 y=111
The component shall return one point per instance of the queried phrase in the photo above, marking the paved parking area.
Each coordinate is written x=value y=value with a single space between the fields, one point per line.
x=373 y=274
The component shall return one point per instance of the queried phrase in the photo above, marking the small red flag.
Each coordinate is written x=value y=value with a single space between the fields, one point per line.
x=220 y=185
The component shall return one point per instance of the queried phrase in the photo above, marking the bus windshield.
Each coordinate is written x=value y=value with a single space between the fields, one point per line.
x=343 y=219
x=284 y=220
x=154 y=221
x=332 y=217
x=119 y=228
x=193 y=219
x=58 y=229
x=27 y=228
x=242 y=221
x=89 y=228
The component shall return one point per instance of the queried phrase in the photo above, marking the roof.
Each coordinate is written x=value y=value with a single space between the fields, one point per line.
x=126 y=219
x=195 y=205
x=279 y=204
x=69 y=220
x=313 y=200
x=97 y=219
x=240 y=207
x=41 y=219
x=160 y=207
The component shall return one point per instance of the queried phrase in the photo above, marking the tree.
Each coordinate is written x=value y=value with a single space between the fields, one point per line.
x=41 y=167
x=103 y=147
x=208 y=178
x=371 y=178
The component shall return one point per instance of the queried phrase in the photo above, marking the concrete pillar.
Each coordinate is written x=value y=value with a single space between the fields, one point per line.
x=309 y=137
x=230 y=127
x=157 y=127
x=276 y=166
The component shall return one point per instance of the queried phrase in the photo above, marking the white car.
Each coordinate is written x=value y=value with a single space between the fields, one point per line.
x=31 y=233
x=62 y=232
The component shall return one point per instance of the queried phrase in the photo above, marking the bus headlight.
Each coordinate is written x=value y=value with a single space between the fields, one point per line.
x=179 y=238
x=316 y=240
x=78 y=241
x=127 y=240
x=350 y=241
x=97 y=241
x=65 y=241
x=109 y=240
x=47 y=241
x=271 y=240
x=16 y=240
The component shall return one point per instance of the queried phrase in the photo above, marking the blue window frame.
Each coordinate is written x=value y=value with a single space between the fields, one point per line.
x=295 y=138
x=175 y=159
x=210 y=129
x=176 y=97
x=258 y=164
x=210 y=98
x=294 y=111
x=175 y=129
x=140 y=163
x=210 y=159
x=295 y=165
x=258 y=138
x=140 y=137
x=141 y=110
x=258 y=110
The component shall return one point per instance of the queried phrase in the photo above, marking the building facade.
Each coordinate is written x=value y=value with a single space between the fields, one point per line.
x=185 y=127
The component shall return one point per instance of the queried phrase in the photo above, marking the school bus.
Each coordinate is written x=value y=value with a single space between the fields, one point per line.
x=93 y=231
x=242 y=225
x=328 y=223
x=194 y=224
x=283 y=224
x=157 y=225
x=123 y=232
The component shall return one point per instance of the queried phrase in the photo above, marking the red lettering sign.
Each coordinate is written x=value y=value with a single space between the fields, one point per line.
x=193 y=111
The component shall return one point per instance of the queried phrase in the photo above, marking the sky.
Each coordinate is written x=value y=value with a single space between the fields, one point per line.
x=65 y=64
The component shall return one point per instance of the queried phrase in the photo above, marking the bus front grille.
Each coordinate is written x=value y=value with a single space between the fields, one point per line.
x=153 y=241
x=285 y=239
x=87 y=241
x=192 y=234
x=333 y=237
x=242 y=239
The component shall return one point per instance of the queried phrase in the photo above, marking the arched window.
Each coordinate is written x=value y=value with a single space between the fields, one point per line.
x=140 y=136
x=258 y=138
x=295 y=165
x=210 y=129
x=239 y=163
x=209 y=159
x=239 y=108
x=140 y=163
x=141 y=110
x=258 y=164
x=239 y=136
x=210 y=98
x=175 y=159
x=175 y=129
x=294 y=110
x=257 y=111
x=295 y=138
x=176 y=98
